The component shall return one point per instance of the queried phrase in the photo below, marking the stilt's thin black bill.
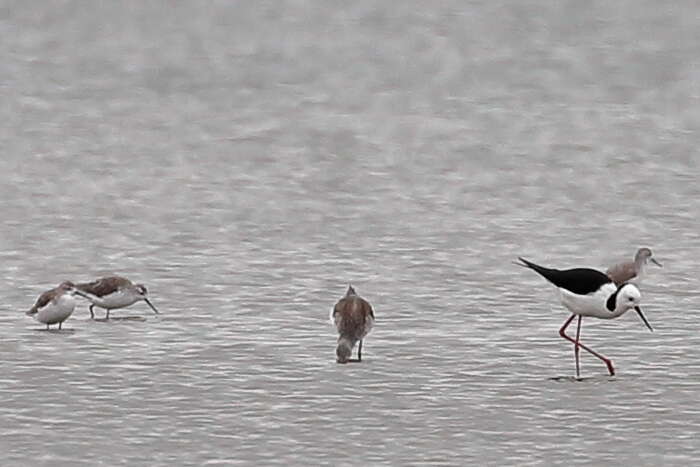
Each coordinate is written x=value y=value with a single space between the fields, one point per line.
x=151 y=305
x=656 y=262
x=641 y=315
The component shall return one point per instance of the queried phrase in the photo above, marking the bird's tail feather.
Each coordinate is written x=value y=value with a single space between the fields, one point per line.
x=547 y=273
x=535 y=267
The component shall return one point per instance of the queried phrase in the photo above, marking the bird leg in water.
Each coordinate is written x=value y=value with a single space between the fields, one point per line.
x=577 y=349
x=563 y=334
x=359 y=352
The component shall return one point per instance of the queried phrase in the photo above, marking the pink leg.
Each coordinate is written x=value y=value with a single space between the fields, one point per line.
x=607 y=361
x=577 y=349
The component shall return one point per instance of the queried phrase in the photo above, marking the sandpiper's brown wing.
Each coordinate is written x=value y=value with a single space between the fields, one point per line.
x=104 y=286
x=622 y=272
x=351 y=314
x=338 y=312
x=43 y=300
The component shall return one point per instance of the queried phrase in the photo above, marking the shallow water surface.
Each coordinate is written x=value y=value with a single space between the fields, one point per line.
x=247 y=160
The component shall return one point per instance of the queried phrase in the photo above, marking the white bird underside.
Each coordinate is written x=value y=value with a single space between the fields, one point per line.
x=593 y=304
x=56 y=311
x=118 y=299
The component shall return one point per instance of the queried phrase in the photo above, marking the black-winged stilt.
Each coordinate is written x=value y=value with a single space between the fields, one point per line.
x=587 y=292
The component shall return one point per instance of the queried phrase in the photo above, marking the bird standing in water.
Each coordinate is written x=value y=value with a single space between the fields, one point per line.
x=112 y=293
x=587 y=292
x=632 y=270
x=353 y=318
x=55 y=305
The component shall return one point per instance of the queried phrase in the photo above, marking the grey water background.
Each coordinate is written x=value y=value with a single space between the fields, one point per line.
x=247 y=160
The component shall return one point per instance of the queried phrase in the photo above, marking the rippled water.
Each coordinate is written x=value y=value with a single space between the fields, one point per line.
x=247 y=160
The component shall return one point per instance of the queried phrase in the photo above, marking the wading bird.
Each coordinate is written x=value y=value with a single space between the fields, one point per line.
x=112 y=293
x=587 y=292
x=353 y=318
x=55 y=305
x=632 y=270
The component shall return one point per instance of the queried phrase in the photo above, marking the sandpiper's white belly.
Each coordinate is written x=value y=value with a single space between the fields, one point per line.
x=369 y=322
x=56 y=311
x=589 y=305
x=641 y=273
x=114 y=300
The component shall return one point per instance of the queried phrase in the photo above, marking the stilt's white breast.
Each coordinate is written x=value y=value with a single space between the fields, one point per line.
x=593 y=304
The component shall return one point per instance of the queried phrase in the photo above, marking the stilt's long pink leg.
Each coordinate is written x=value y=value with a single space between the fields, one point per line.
x=576 y=343
x=577 y=349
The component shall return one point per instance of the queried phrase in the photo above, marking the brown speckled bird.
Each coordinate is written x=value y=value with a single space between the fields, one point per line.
x=353 y=318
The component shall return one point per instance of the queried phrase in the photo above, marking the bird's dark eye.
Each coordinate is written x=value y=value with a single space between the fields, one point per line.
x=631 y=299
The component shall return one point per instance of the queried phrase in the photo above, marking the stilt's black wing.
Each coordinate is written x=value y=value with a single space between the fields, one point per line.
x=581 y=281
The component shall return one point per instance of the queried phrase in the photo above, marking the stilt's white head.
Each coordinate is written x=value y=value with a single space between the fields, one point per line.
x=627 y=297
